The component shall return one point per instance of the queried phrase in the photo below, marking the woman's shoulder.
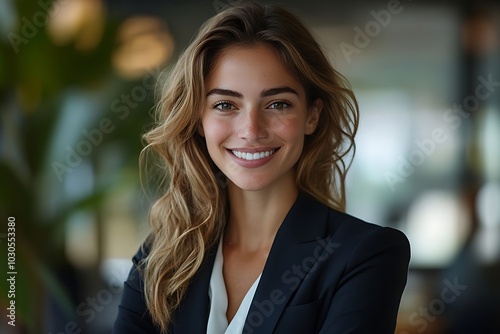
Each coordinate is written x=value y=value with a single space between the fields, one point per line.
x=142 y=252
x=135 y=278
x=347 y=223
x=347 y=228
x=329 y=222
x=360 y=242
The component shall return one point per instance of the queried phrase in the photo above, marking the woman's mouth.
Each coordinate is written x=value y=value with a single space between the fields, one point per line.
x=253 y=155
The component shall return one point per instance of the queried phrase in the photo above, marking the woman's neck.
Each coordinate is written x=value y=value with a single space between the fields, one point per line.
x=255 y=216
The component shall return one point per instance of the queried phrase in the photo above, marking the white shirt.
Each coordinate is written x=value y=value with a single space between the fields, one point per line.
x=217 y=321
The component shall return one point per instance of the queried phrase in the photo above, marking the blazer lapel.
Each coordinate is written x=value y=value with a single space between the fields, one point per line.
x=192 y=315
x=296 y=248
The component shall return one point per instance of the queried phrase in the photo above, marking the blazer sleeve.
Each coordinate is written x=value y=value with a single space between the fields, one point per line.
x=133 y=315
x=367 y=299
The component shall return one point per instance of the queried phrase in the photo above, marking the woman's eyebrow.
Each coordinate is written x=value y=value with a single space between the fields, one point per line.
x=277 y=90
x=264 y=93
x=227 y=92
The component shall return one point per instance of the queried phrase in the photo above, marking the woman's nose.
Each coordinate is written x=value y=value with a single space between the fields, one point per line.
x=253 y=125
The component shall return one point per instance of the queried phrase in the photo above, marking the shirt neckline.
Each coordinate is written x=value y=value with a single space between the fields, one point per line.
x=217 y=320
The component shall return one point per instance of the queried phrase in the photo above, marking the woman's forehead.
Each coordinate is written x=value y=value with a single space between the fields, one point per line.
x=247 y=67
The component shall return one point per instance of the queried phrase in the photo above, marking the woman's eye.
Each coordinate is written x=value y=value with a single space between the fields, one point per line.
x=224 y=106
x=279 y=105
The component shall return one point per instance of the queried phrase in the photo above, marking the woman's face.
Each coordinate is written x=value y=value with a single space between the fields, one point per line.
x=255 y=118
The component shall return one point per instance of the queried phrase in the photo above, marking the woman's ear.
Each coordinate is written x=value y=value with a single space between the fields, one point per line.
x=313 y=116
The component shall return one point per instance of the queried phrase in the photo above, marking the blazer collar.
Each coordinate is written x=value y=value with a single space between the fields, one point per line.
x=192 y=314
x=297 y=244
x=304 y=222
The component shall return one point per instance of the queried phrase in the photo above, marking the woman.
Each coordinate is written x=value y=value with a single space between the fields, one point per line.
x=250 y=236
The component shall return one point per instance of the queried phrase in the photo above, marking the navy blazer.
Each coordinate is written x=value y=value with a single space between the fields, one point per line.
x=327 y=272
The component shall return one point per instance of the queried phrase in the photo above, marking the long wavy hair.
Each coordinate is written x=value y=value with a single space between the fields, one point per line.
x=190 y=215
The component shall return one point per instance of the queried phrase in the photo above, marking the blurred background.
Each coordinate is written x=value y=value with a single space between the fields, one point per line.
x=77 y=87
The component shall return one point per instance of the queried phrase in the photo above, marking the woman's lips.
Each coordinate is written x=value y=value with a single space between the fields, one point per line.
x=254 y=157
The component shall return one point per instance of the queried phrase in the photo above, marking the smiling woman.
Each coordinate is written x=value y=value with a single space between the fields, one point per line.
x=269 y=249
x=255 y=131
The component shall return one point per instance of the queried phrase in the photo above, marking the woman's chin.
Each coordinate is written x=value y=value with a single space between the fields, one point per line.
x=249 y=184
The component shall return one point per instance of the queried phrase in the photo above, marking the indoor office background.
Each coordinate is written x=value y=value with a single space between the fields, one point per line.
x=77 y=87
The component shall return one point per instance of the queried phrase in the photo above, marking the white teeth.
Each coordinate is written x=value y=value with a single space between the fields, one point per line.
x=252 y=156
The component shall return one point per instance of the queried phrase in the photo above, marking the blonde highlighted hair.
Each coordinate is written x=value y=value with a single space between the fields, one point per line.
x=189 y=217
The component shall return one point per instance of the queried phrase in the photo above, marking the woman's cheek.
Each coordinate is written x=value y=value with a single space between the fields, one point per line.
x=216 y=129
